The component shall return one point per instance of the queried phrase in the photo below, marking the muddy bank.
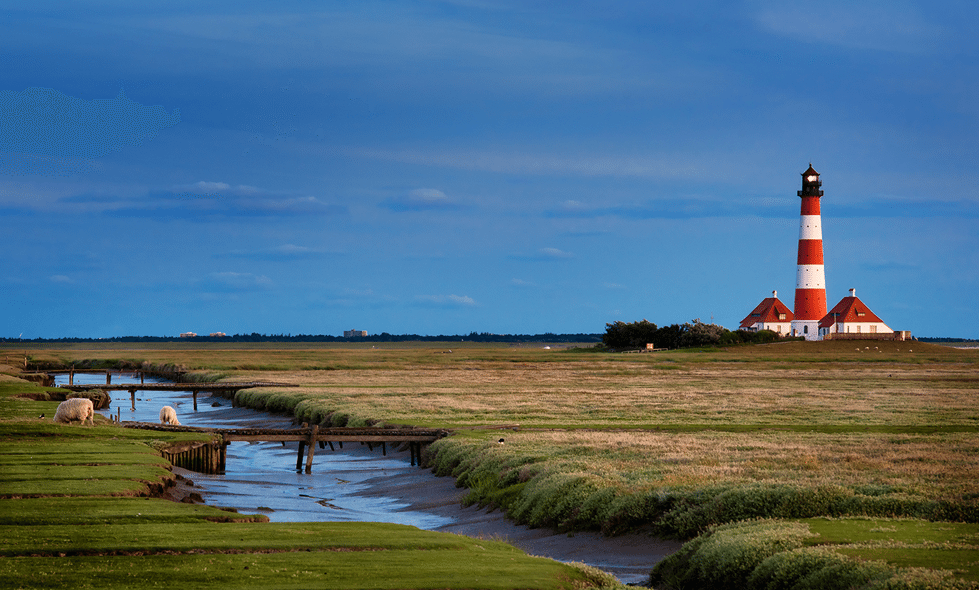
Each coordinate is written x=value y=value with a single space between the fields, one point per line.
x=183 y=488
x=628 y=557
x=389 y=484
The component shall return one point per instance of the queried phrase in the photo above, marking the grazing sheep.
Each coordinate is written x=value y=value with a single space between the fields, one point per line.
x=168 y=416
x=76 y=408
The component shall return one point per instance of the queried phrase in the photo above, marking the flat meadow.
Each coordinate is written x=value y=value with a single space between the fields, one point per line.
x=674 y=442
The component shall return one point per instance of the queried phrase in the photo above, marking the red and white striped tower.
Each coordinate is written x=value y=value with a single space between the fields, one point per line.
x=810 y=280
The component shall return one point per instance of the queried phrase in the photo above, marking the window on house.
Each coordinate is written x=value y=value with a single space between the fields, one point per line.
x=781 y=316
x=805 y=329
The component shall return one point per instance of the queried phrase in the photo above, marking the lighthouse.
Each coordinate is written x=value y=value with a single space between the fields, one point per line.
x=810 y=280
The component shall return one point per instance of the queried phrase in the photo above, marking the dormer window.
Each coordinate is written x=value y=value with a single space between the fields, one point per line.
x=781 y=316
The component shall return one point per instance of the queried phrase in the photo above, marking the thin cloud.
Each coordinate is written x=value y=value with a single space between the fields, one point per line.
x=207 y=199
x=540 y=164
x=448 y=301
x=904 y=208
x=422 y=199
x=282 y=252
x=681 y=208
x=544 y=254
x=53 y=133
x=90 y=198
x=238 y=281
x=882 y=27
x=769 y=208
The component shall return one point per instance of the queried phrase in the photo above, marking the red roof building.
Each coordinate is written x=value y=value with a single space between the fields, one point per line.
x=852 y=316
x=771 y=314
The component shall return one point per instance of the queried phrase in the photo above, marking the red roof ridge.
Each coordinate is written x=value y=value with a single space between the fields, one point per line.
x=849 y=309
x=768 y=311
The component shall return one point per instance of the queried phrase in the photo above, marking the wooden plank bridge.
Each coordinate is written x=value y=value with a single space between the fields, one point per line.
x=225 y=389
x=210 y=456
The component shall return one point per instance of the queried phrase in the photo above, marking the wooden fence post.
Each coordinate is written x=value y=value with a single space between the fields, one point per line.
x=312 y=447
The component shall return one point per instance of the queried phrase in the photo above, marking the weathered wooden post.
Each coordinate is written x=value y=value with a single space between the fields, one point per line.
x=195 y=400
x=71 y=375
x=108 y=376
x=312 y=447
x=299 y=457
x=140 y=377
x=132 y=398
x=118 y=414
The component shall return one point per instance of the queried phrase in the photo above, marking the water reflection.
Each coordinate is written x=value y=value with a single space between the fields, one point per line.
x=261 y=477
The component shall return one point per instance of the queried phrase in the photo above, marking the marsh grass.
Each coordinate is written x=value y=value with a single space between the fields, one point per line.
x=681 y=483
x=483 y=564
x=676 y=441
x=66 y=522
x=825 y=554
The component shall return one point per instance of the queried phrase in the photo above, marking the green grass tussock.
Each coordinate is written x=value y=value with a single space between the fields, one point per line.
x=774 y=554
x=102 y=510
x=567 y=489
x=696 y=512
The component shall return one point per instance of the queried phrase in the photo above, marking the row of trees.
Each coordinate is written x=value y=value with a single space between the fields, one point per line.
x=636 y=335
x=382 y=337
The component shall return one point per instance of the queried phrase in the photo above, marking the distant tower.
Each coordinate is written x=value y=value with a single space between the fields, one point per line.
x=810 y=280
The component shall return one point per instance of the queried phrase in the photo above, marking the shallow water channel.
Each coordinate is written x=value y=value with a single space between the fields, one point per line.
x=351 y=484
x=260 y=477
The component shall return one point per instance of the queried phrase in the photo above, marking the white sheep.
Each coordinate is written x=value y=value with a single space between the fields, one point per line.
x=76 y=408
x=168 y=416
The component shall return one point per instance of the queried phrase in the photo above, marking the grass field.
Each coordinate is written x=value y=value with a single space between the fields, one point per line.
x=677 y=441
x=76 y=512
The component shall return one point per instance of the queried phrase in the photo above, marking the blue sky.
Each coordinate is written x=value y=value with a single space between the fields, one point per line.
x=506 y=167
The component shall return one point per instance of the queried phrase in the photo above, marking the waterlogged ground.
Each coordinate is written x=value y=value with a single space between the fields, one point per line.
x=357 y=484
x=261 y=477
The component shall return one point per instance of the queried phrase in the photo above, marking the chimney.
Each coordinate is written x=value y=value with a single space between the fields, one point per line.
x=774 y=294
x=853 y=292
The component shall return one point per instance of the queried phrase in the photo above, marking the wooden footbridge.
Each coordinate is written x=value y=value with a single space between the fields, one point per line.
x=225 y=389
x=210 y=456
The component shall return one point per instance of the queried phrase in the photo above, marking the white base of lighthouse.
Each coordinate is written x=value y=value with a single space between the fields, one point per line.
x=809 y=329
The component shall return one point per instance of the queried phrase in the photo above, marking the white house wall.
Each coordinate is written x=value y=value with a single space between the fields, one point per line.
x=865 y=328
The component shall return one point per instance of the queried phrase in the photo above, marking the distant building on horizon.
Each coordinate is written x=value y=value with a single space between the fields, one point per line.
x=355 y=333
x=188 y=334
